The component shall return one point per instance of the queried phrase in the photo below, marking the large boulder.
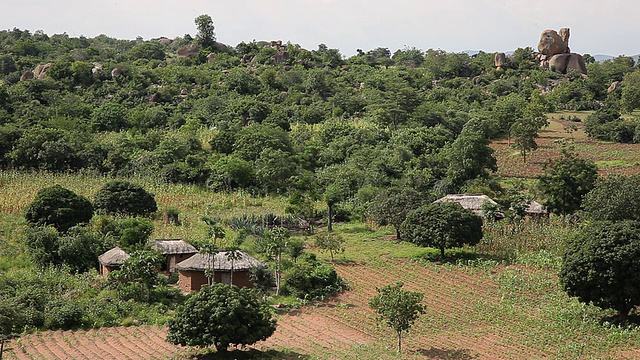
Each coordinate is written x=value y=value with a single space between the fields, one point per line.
x=116 y=72
x=551 y=43
x=499 y=60
x=189 y=51
x=221 y=47
x=562 y=63
x=40 y=72
x=28 y=75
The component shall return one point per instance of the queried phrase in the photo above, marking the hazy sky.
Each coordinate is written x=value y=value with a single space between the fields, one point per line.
x=597 y=27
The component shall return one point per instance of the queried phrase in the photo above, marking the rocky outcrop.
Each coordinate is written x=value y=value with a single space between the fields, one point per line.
x=40 y=72
x=97 y=67
x=28 y=75
x=280 y=58
x=116 y=72
x=613 y=87
x=551 y=43
x=499 y=60
x=220 y=47
x=562 y=63
x=211 y=57
x=189 y=51
x=556 y=55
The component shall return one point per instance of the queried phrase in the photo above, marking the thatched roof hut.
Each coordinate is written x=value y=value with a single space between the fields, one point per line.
x=113 y=257
x=535 y=209
x=221 y=262
x=173 y=246
x=192 y=271
x=472 y=202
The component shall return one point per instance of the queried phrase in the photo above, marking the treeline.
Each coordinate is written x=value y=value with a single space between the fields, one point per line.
x=277 y=118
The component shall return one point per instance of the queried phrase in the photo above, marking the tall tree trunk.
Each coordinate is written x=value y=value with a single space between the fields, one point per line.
x=442 y=253
x=398 y=233
x=399 y=342
x=330 y=219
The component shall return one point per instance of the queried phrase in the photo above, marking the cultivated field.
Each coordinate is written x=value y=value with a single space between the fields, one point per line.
x=611 y=158
x=479 y=311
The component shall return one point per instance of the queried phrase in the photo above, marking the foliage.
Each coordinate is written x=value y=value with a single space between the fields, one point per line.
x=206 y=36
x=261 y=278
x=309 y=279
x=614 y=198
x=601 y=263
x=442 y=225
x=391 y=206
x=124 y=198
x=398 y=308
x=60 y=208
x=133 y=233
x=221 y=315
x=566 y=181
x=139 y=274
x=331 y=242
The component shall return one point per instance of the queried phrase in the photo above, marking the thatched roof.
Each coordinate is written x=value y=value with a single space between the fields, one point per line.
x=535 y=208
x=173 y=246
x=113 y=257
x=221 y=262
x=472 y=202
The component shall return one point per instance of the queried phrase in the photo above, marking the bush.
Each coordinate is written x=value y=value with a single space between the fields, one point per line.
x=63 y=314
x=60 y=208
x=312 y=280
x=125 y=198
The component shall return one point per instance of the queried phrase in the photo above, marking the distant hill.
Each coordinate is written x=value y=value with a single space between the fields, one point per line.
x=602 y=57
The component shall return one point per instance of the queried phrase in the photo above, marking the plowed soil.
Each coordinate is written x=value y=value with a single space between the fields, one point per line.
x=459 y=323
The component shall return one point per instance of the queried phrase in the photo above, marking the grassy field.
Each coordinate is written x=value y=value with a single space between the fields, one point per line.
x=611 y=158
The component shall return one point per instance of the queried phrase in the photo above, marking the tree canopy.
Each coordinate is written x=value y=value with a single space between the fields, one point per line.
x=60 y=208
x=125 y=198
x=442 y=225
x=601 y=263
x=222 y=315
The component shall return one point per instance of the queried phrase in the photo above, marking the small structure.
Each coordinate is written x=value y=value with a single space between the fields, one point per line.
x=472 y=202
x=174 y=251
x=535 y=210
x=112 y=260
x=226 y=271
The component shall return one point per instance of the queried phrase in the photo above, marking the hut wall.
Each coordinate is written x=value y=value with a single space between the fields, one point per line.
x=106 y=269
x=193 y=280
x=172 y=260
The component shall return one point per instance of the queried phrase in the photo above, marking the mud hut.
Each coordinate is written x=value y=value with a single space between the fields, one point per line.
x=535 y=210
x=112 y=260
x=174 y=251
x=226 y=271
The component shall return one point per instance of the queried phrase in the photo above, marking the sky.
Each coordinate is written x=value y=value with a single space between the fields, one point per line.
x=597 y=27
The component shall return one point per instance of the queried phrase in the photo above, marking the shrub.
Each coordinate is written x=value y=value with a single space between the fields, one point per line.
x=312 y=280
x=125 y=198
x=60 y=208
x=63 y=314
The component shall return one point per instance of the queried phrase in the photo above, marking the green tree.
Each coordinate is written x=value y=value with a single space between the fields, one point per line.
x=139 y=272
x=398 y=308
x=469 y=157
x=206 y=37
x=124 y=198
x=442 y=225
x=391 y=206
x=331 y=242
x=60 y=208
x=614 y=198
x=601 y=265
x=566 y=181
x=276 y=243
x=133 y=233
x=221 y=315
x=333 y=195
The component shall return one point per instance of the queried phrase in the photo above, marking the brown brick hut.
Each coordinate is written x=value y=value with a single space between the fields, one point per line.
x=174 y=251
x=192 y=271
x=112 y=260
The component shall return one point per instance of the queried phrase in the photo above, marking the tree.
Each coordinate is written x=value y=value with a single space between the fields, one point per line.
x=60 y=208
x=614 y=198
x=525 y=129
x=221 y=315
x=442 y=225
x=276 y=242
x=566 y=181
x=206 y=37
x=601 y=265
x=398 y=308
x=333 y=195
x=469 y=157
x=124 y=198
x=331 y=242
x=134 y=232
x=391 y=206
x=140 y=271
